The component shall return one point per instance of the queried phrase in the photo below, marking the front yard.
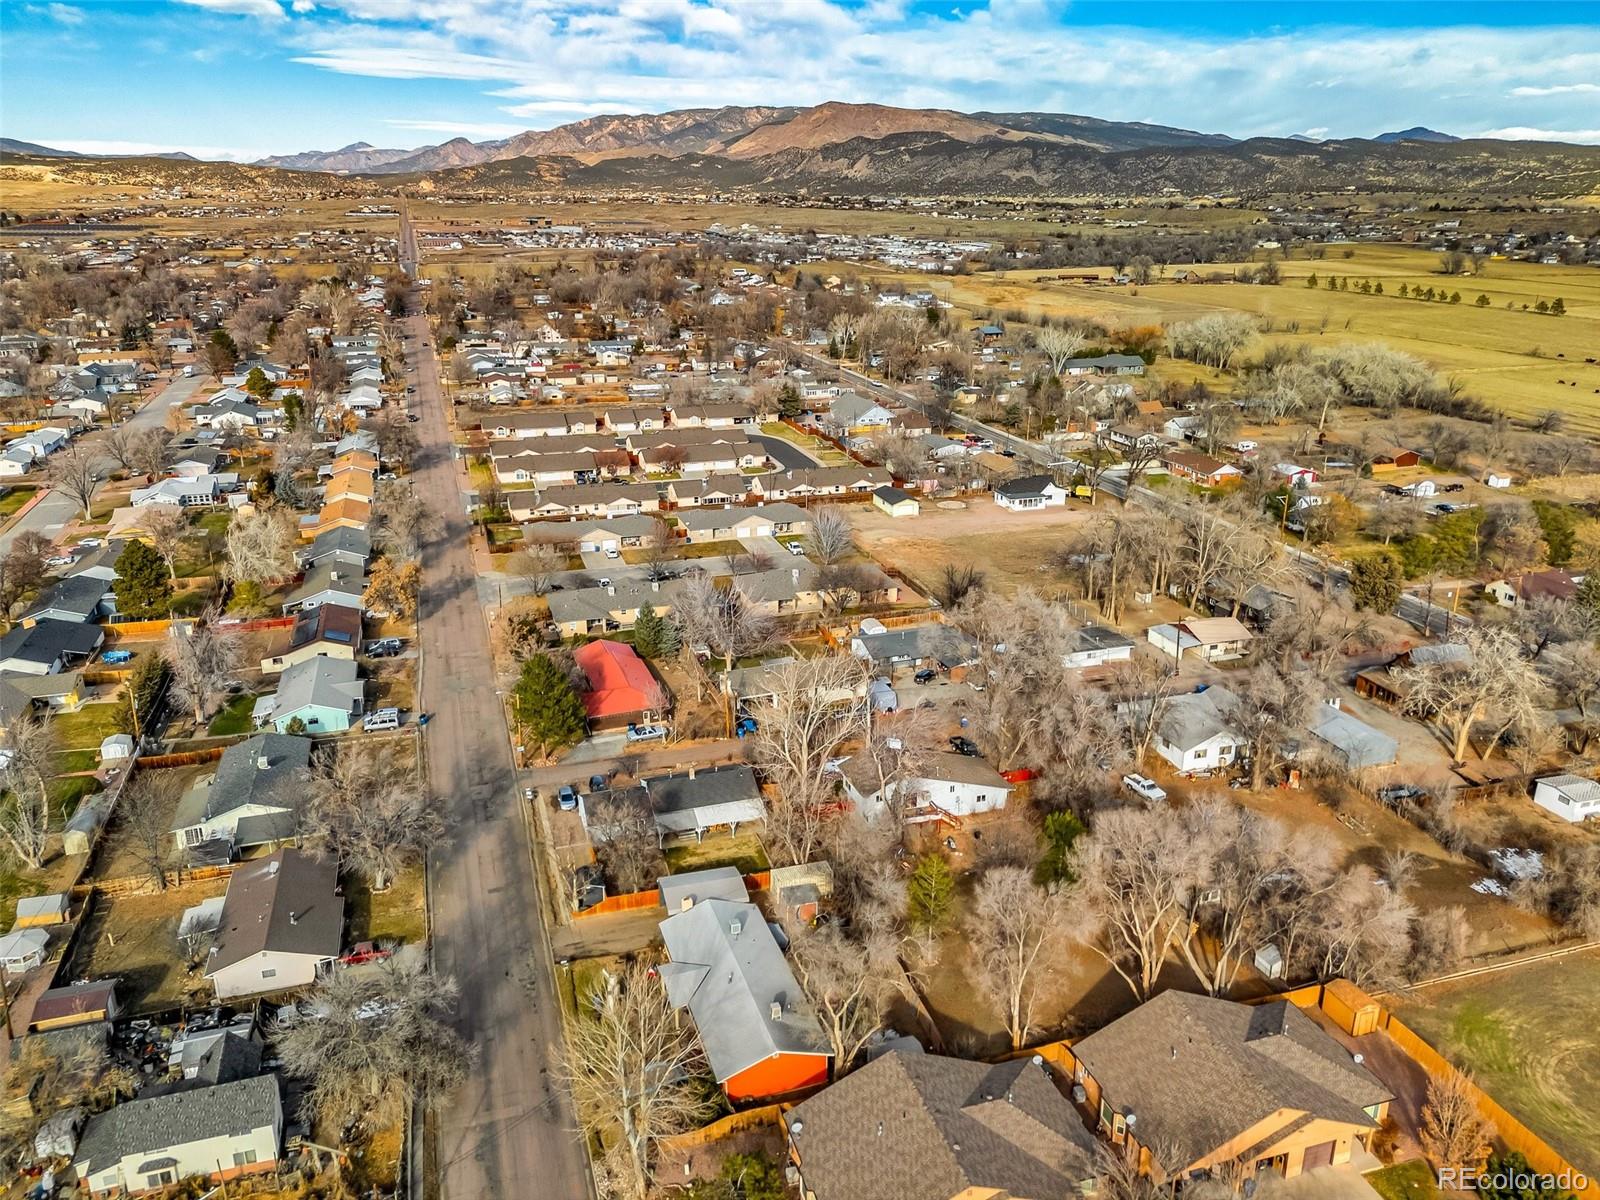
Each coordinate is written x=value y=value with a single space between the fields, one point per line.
x=398 y=914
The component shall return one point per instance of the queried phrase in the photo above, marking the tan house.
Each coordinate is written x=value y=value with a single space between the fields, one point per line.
x=324 y=631
x=346 y=513
x=1193 y=1084
x=351 y=483
x=282 y=924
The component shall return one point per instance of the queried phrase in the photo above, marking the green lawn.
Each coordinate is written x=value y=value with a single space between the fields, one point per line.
x=1412 y=1180
x=687 y=550
x=504 y=534
x=69 y=761
x=743 y=851
x=67 y=791
x=14 y=499
x=234 y=717
x=86 y=728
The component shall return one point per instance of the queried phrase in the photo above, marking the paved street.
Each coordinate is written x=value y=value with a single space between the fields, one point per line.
x=55 y=510
x=509 y=1131
x=786 y=454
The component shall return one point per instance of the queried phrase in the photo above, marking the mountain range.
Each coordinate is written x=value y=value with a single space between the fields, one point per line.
x=866 y=149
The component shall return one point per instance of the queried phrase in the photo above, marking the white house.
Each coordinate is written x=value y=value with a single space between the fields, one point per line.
x=199 y=492
x=950 y=785
x=1098 y=646
x=1030 y=492
x=1215 y=639
x=1570 y=797
x=1194 y=734
x=218 y=1132
x=282 y=924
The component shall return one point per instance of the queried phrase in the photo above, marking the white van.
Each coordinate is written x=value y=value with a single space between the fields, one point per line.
x=381 y=719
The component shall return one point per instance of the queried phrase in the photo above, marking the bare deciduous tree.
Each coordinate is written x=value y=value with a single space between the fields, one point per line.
x=721 y=619
x=1021 y=647
x=1489 y=680
x=118 y=443
x=538 y=563
x=203 y=657
x=144 y=820
x=167 y=529
x=75 y=473
x=1060 y=345
x=370 y=811
x=1016 y=931
x=261 y=546
x=849 y=981
x=147 y=452
x=1454 y=1132
x=30 y=745
x=405 y=522
x=364 y=1032
x=830 y=539
x=629 y=850
x=631 y=1062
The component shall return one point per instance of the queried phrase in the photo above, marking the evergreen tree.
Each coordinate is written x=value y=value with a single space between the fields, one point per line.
x=258 y=385
x=1376 y=580
x=546 y=706
x=1482 y=301
x=1558 y=307
x=1311 y=280
x=930 y=894
x=648 y=631
x=1061 y=830
x=1508 y=1176
x=143 y=587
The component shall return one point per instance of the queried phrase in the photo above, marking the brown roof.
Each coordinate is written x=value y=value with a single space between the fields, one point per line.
x=1196 y=1072
x=1198 y=464
x=912 y=1126
x=76 y=1000
x=287 y=902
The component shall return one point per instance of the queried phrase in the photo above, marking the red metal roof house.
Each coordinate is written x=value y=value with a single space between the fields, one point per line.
x=622 y=691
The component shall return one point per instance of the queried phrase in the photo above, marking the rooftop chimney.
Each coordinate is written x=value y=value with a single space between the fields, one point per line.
x=795 y=571
x=685 y=904
x=611 y=589
x=736 y=926
x=691 y=770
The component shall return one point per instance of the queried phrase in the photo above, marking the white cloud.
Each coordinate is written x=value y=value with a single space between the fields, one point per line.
x=457 y=128
x=1524 y=133
x=65 y=14
x=267 y=10
x=1557 y=89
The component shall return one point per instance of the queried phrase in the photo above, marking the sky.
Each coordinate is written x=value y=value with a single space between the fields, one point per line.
x=247 y=78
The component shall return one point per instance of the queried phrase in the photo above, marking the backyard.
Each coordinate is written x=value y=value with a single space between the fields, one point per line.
x=741 y=850
x=1527 y=1035
x=136 y=939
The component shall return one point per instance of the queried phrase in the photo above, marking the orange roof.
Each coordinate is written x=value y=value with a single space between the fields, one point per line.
x=364 y=460
x=619 y=681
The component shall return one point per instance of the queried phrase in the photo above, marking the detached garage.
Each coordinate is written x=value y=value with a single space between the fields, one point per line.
x=1570 y=797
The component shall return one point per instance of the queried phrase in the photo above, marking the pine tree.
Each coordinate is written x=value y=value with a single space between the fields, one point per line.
x=930 y=894
x=1311 y=280
x=546 y=706
x=648 y=629
x=143 y=587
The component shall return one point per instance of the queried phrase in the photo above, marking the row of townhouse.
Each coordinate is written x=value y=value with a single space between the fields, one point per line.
x=615 y=499
x=627 y=419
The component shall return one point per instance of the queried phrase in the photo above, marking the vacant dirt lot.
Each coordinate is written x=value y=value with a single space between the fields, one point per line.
x=1528 y=1036
x=1012 y=548
x=136 y=939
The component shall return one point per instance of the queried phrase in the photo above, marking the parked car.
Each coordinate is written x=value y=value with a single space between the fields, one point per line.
x=567 y=798
x=646 y=733
x=1144 y=788
x=383 y=647
x=613 y=552
x=966 y=746
x=798 y=549
x=598 y=783
x=381 y=719
x=412 y=417
x=926 y=675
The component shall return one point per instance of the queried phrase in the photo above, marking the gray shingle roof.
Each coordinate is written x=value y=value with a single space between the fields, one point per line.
x=287 y=903
x=49 y=640
x=155 y=1124
x=728 y=971
x=912 y=1126
x=1197 y=1072
x=241 y=779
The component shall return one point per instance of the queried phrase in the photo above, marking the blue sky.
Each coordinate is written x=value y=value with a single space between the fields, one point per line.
x=243 y=78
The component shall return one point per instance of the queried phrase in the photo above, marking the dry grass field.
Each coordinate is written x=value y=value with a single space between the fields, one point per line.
x=1014 y=549
x=1528 y=1037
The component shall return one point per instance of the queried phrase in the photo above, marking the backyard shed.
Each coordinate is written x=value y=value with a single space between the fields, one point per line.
x=1356 y=1012
x=34 y=911
x=23 y=950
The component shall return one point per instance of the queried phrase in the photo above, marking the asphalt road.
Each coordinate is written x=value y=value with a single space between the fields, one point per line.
x=53 y=512
x=509 y=1131
x=786 y=454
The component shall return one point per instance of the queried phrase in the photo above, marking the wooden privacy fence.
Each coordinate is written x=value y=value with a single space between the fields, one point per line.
x=759 y=881
x=767 y=1116
x=185 y=758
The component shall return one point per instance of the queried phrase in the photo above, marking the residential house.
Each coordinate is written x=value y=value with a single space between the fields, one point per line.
x=1519 y=590
x=1383 y=685
x=759 y=684
x=712 y=458
x=760 y=1034
x=948 y=787
x=852 y=415
x=718 y=414
x=1570 y=797
x=1294 y=474
x=1390 y=456
x=538 y=424
x=939 y=646
x=253 y=799
x=709 y=491
x=345 y=546
x=688 y=888
x=201 y=491
x=1125 y=438
x=48 y=646
x=215 y=1133
x=1200 y=469
x=327 y=583
x=587 y=500
x=322 y=630
x=621 y=690
x=784 y=590
x=722 y=524
x=1351 y=741
x=606 y=608
x=78 y=598
x=589 y=537
x=23 y=453
x=633 y=420
x=28 y=695
x=282 y=925
x=1194 y=732
x=348 y=513
x=915 y=1126
x=1105 y=364
x=1203 y=1083
x=226 y=411
x=323 y=694
x=1098 y=646
x=895 y=502
x=351 y=483
x=820 y=481
x=1030 y=492
x=691 y=803
x=550 y=470
x=1214 y=639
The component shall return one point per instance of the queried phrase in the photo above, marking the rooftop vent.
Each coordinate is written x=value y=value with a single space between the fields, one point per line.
x=263 y=763
x=736 y=926
x=776 y=1010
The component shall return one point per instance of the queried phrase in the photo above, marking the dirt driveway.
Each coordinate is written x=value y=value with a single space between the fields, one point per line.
x=1012 y=548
